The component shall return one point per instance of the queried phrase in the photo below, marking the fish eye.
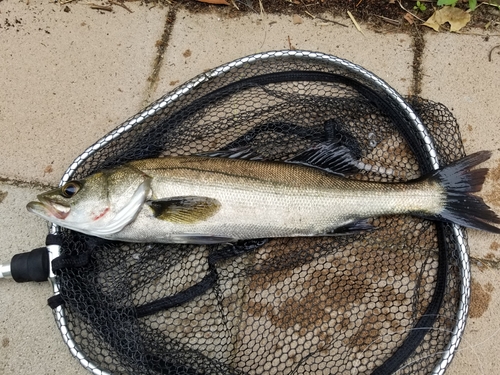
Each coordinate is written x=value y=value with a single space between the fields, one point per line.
x=70 y=189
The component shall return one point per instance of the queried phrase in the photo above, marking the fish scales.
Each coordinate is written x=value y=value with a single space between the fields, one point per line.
x=270 y=199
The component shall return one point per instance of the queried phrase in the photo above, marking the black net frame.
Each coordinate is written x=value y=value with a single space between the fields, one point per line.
x=439 y=293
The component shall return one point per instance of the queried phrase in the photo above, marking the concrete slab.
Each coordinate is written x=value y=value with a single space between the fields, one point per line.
x=203 y=41
x=457 y=73
x=478 y=351
x=30 y=342
x=67 y=78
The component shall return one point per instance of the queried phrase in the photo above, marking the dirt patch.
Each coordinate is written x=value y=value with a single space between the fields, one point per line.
x=480 y=298
x=493 y=195
x=380 y=15
x=3 y=194
x=495 y=246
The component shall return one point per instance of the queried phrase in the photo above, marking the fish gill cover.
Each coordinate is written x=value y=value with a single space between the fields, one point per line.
x=370 y=303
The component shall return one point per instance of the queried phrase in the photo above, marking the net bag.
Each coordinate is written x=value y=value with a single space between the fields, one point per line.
x=392 y=300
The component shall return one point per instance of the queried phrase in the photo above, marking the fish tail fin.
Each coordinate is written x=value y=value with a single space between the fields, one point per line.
x=459 y=182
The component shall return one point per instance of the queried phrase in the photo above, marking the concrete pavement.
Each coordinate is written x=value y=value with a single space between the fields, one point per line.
x=70 y=74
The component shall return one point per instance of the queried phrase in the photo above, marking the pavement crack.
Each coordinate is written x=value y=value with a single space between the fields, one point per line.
x=418 y=45
x=25 y=184
x=161 y=47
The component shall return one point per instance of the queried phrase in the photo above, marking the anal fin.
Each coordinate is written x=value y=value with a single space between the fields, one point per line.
x=200 y=239
x=351 y=228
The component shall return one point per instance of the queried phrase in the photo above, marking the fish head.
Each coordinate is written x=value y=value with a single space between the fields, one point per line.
x=99 y=205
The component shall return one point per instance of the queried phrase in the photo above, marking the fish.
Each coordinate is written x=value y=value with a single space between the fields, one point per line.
x=232 y=195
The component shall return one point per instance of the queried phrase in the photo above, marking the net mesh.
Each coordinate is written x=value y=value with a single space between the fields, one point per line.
x=345 y=305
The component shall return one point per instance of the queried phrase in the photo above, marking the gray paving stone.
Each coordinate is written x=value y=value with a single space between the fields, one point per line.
x=203 y=41
x=67 y=78
x=457 y=73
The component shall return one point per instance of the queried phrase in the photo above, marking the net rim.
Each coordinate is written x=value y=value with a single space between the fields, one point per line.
x=458 y=232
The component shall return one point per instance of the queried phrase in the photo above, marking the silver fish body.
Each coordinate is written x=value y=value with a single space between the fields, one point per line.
x=206 y=200
x=262 y=199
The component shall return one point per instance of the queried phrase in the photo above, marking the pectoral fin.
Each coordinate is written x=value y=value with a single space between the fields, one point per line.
x=184 y=210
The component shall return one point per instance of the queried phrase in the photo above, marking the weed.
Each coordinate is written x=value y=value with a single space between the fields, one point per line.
x=420 y=6
x=472 y=3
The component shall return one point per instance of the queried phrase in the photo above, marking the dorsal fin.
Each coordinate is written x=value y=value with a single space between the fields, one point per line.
x=243 y=152
x=331 y=157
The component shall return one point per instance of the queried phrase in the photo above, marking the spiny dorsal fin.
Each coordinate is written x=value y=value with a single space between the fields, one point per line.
x=330 y=157
x=184 y=210
x=244 y=152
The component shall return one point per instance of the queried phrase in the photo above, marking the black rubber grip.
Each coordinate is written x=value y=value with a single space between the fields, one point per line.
x=53 y=239
x=32 y=266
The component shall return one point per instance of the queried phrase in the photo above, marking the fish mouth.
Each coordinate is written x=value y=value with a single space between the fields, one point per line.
x=47 y=207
